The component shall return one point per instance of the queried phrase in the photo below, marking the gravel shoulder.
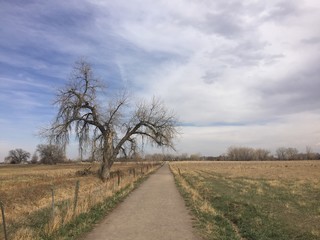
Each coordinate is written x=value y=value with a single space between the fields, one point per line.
x=153 y=211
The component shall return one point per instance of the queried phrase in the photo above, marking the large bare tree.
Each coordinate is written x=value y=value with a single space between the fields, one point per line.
x=109 y=127
x=17 y=156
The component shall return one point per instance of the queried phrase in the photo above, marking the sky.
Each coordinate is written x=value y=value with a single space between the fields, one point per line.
x=236 y=73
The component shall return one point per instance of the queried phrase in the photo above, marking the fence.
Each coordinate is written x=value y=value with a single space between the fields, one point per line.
x=62 y=207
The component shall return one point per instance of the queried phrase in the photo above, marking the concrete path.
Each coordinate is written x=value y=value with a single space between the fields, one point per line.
x=154 y=211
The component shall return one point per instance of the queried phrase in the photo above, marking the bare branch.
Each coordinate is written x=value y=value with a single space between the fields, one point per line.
x=153 y=121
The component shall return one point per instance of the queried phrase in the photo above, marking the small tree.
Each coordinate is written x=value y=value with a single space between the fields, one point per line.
x=107 y=129
x=51 y=154
x=34 y=158
x=17 y=156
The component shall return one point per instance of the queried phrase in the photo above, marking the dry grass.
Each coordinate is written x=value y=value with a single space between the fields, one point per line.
x=273 y=170
x=26 y=190
x=255 y=200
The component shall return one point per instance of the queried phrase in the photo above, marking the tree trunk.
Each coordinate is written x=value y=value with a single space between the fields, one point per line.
x=104 y=172
x=107 y=159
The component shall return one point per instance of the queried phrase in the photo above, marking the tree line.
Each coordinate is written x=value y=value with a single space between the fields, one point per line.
x=44 y=154
x=53 y=154
x=260 y=154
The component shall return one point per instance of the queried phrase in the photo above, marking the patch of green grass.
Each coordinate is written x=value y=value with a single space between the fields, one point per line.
x=256 y=208
x=210 y=226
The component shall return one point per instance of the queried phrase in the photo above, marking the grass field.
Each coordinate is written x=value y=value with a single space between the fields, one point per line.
x=26 y=193
x=252 y=200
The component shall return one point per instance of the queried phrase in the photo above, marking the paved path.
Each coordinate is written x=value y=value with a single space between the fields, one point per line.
x=154 y=211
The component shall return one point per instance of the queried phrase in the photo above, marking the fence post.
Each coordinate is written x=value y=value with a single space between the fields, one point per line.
x=113 y=184
x=52 y=201
x=119 y=177
x=76 y=193
x=4 y=221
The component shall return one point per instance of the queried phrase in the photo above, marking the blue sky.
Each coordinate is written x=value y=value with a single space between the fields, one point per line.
x=242 y=73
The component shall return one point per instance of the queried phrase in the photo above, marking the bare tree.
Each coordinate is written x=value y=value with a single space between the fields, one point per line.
x=310 y=154
x=287 y=153
x=111 y=129
x=261 y=154
x=240 y=153
x=17 y=156
x=292 y=153
x=34 y=158
x=51 y=154
x=247 y=154
x=282 y=153
x=195 y=156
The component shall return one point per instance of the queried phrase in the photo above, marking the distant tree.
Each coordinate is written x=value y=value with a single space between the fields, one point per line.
x=240 y=154
x=261 y=154
x=246 y=154
x=34 y=158
x=281 y=153
x=292 y=154
x=159 y=157
x=51 y=154
x=17 y=156
x=111 y=128
x=310 y=155
x=183 y=157
x=287 y=153
x=195 y=156
x=169 y=157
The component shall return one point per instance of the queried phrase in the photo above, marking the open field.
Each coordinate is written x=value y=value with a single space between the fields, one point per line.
x=252 y=200
x=26 y=192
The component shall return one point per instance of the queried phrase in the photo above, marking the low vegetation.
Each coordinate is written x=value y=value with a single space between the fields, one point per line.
x=26 y=192
x=252 y=200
